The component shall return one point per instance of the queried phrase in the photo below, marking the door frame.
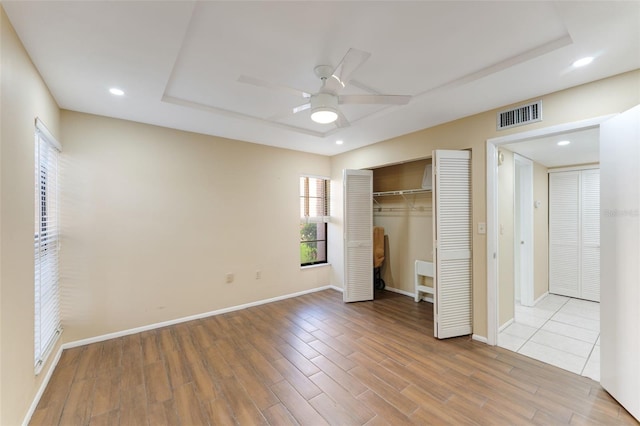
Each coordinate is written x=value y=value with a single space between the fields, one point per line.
x=492 y=207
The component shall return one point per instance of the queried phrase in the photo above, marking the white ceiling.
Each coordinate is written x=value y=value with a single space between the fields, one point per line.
x=179 y=62
x=584 y=148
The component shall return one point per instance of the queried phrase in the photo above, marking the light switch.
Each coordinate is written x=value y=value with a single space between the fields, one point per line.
x=482 y=228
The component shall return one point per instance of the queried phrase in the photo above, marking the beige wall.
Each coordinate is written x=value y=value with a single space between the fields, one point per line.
x=608 y=96
x=540 y=231
x=506 y=277
x=24 y=97
x=153 y=220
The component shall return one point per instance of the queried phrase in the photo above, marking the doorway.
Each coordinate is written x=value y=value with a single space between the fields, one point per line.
x=545 y=319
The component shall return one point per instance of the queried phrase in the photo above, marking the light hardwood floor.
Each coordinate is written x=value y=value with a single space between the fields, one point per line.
x=314 y=360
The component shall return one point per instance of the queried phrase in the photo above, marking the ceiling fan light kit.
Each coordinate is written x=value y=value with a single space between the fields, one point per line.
x=324 y=108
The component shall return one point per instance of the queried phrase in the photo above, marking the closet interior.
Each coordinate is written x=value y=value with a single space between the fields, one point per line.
x=402 y=205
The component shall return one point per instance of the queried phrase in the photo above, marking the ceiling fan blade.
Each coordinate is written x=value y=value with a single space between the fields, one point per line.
x=374 y=99
x=262 y=83
x=351 y=62
x=342 y=120
x=289 y=112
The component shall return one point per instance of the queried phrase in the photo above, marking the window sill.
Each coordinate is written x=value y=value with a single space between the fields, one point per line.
x=319 y=265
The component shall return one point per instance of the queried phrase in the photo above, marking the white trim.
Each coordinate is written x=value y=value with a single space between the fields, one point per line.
x=316 y=177
x=408 y=293
x=336 y=288
x=492 y=206
x=480 y=339
x=122 y=333
x=47 y=134
x=492 y=244
x=317 y=265
x=575 y=168
x=43 y=386
x=506 y=324
x=539 y=299
x=549 y=131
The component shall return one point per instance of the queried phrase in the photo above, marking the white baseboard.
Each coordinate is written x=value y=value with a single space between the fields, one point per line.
x=535 y=302
x=408 y=293
x=506 y=324
x=43 y=386
x=397 y=290
x=122 y=333
x=480 y=339
x=336 y=288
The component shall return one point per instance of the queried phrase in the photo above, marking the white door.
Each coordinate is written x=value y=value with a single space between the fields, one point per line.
x=620 y=259
x=590 y=236
x=358 y=235
x=452 y=243
x=574 y=234
x=564 y=233
x=524 y=228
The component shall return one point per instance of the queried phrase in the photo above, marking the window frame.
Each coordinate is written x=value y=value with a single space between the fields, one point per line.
x=306 y=216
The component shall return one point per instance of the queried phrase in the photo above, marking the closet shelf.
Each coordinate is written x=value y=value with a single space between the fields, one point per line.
x=401 y=192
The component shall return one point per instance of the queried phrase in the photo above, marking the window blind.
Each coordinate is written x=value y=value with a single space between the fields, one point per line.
x=314 y=199
x=46 y=244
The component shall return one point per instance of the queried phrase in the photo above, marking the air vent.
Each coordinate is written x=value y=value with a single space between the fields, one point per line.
x=519 y=116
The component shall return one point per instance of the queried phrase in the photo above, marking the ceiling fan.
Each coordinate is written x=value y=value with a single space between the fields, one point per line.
x=324 y=103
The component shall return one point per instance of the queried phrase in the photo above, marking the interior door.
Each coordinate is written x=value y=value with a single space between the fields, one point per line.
x=452 y=243
x=620 y=266
x=590 y=250
x=524 y=228
x=564 y=233
x=358 y=235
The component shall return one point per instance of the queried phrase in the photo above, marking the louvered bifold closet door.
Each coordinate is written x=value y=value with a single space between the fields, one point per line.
x=564 y=233
x=358 y=235
x=452 y=244
x=590 y=256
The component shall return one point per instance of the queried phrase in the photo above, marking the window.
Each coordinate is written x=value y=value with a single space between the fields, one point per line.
x=47 y=302
x=314 y=215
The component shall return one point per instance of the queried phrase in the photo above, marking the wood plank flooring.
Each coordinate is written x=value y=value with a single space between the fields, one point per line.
x=314 y=360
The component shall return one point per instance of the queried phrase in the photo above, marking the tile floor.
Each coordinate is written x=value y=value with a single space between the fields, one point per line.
x=558 y=330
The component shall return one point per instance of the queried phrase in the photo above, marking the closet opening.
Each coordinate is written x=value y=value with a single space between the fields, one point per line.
x=403 y=215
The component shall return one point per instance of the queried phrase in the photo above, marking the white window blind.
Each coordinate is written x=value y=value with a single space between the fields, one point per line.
x=47 y=300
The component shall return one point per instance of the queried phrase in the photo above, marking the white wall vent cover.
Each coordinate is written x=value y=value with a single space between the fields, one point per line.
x=519 y=116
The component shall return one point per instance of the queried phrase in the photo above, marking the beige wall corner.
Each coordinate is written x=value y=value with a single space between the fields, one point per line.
x=24 y=97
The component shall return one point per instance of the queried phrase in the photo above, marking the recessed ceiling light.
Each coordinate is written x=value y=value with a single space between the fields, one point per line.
x=564 y=143
x=116 y=91
x=582 y=62
x=339 y=142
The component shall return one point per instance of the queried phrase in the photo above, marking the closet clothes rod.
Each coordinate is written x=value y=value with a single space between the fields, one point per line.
x=403 y=193
x=401 y=209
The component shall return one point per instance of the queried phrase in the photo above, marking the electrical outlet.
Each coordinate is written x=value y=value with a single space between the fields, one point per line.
x=258 y=274
x=229 y=277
